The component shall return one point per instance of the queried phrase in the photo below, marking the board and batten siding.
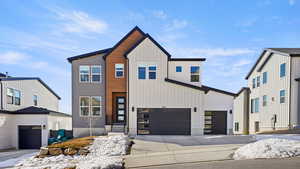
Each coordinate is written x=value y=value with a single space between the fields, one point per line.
x=185 y=75
x=240 y=112
x=81 y=124
x=272 y=89
x=295 y=92
x=6 y=125
x=159 y=93
x=28 y=88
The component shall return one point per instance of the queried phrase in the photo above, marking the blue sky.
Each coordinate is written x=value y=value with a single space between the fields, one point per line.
x=36 y=37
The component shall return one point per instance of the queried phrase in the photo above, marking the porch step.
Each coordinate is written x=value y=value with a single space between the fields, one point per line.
x=118 y=128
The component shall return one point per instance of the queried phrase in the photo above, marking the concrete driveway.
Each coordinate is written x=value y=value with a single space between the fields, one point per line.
x=11 y=157
x=162 y=150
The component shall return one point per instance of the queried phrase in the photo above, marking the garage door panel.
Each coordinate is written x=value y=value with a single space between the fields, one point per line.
x=30 y=137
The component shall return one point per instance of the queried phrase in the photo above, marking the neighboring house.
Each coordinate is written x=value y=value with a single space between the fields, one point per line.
x=273 y=101
x=28 y=111
x=137 y=87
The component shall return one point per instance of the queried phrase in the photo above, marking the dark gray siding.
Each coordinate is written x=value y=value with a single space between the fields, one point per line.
x=87 y=89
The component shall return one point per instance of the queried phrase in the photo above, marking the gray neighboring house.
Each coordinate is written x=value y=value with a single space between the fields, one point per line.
x=28 y=111
x=88 y=87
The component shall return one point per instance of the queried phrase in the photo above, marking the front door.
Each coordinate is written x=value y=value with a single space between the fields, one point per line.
x=121 y=109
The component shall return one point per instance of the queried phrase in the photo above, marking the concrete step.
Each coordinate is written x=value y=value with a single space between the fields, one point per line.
x=118 y=128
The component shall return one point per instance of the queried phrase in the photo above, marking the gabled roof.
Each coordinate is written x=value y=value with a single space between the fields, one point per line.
x=292 y=52
x=219 y=90
x=70 y=59
x=152 y=40
x=136 y=28
x=2 y=75
x=30 y=78
x=34 y=110
x=241 y=90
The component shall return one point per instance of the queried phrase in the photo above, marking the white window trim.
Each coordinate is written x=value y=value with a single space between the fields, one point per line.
x=194 y=73
x=91 y=74
x=148 y=71
x=13 y=96
x=118 y=77
x=90 y=106
x=144 y=66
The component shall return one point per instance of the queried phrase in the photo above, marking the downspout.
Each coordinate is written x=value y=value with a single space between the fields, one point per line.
x=128 y=109
x=1 y=94
x=290 y=93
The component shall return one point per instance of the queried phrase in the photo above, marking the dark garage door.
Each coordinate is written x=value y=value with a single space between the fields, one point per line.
x=215 y=122
x=164 y=121
x=30 y=137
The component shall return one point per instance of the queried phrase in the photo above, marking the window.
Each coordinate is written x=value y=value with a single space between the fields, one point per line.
x=10 y=96
x=96 y=74
x=35 y=100
x=256 y=126
x=265 y=77
x=258 y=81
x=265 y=100
x=282 y=96
x=119 y=70
x=13 y=96
x=253 y=83
x=84 y=106
x=142 y=72
x=84 y=73
x=255 y=105
x=195 y=73
x=152 y=72
x=96 y=105
x=236 y=126
x=282 y=70
x=178 y=69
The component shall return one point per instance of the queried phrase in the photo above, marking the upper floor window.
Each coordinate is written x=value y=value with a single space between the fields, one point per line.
x=119 y=70
x=142 y=72
x=178 y=69
x=255 y=105
x=258 y=81
x=282 y=70
x=35 y=100
x=195 y=73
x=264 y=100
x=152 y=72
x=96 y=73
x=253 y=83
x=84 y=72
x=13 y=96
x=282 y=96
x=265 y=77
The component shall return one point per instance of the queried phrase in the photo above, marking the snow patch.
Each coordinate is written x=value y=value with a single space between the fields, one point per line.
x=105 y=152
x=268 y=148
x=13 y=161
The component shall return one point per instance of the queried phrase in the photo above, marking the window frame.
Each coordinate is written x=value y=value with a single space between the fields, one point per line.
x=258 y=81
x=253 y=83
x=282 y=97
x=282 y=74
x=138 y=72
x=12 y=95
x=152 y=71
x=265 y=100
x=89 y=74
x=91 y=106
x=265 y=78
x=194 y=74
x=35 y=100
x=123 y=72
x=176 y=69
x=236 y=126
x=100 y=73
x=89 y=110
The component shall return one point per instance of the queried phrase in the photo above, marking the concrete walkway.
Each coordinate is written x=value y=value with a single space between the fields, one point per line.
x=162 y=150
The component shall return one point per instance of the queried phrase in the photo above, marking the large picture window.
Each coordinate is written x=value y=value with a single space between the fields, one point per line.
x=90 y=106
x=119 y=70
x=96 y=74
x=13 y=96
x=84 y=72
x=195 y=73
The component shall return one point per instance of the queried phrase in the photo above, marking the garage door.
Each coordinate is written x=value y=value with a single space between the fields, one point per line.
x=30 y=137
x=164 y=121
x=215 y=122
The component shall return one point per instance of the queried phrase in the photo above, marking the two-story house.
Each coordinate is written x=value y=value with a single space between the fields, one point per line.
x=271 y=100
x=28 y=111
x=137 y=87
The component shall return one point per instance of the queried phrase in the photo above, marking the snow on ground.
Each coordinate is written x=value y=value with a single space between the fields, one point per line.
x=105 y=153
x=269 y=148
x=13 y=161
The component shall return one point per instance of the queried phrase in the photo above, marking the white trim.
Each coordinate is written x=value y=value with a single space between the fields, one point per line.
x=89 y=74
x=118 y=77
x=148 y=71
x=142 y=65
x=194 y=74
x=80 y=115
x=100 y=106
x=90 y=106
x=100 y=74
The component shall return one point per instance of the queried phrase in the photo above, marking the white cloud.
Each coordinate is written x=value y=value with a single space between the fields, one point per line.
x=242 y=63
x=80 y=22
x=12 y=57
x=159 y=14
x=292 y=2
x=176 y=24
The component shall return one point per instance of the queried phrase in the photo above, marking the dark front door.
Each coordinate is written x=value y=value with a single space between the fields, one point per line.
x=121 y=109
x=30 y=137
x=164 y=121
x=215 y=122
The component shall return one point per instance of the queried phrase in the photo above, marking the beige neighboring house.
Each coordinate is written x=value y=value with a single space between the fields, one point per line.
x=28 y=111
x=273 y=100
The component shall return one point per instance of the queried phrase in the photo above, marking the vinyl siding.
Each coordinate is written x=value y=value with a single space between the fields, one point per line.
x=56 y=122
x=271 y=89
x=158 y=93
x=29 y=88
x=295 y=98
x=185 y=75
x=6 y=124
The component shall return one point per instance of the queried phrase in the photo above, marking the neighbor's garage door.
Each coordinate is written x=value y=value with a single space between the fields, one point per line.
x=164 y=121
x=30 y=137
x=215 y=122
